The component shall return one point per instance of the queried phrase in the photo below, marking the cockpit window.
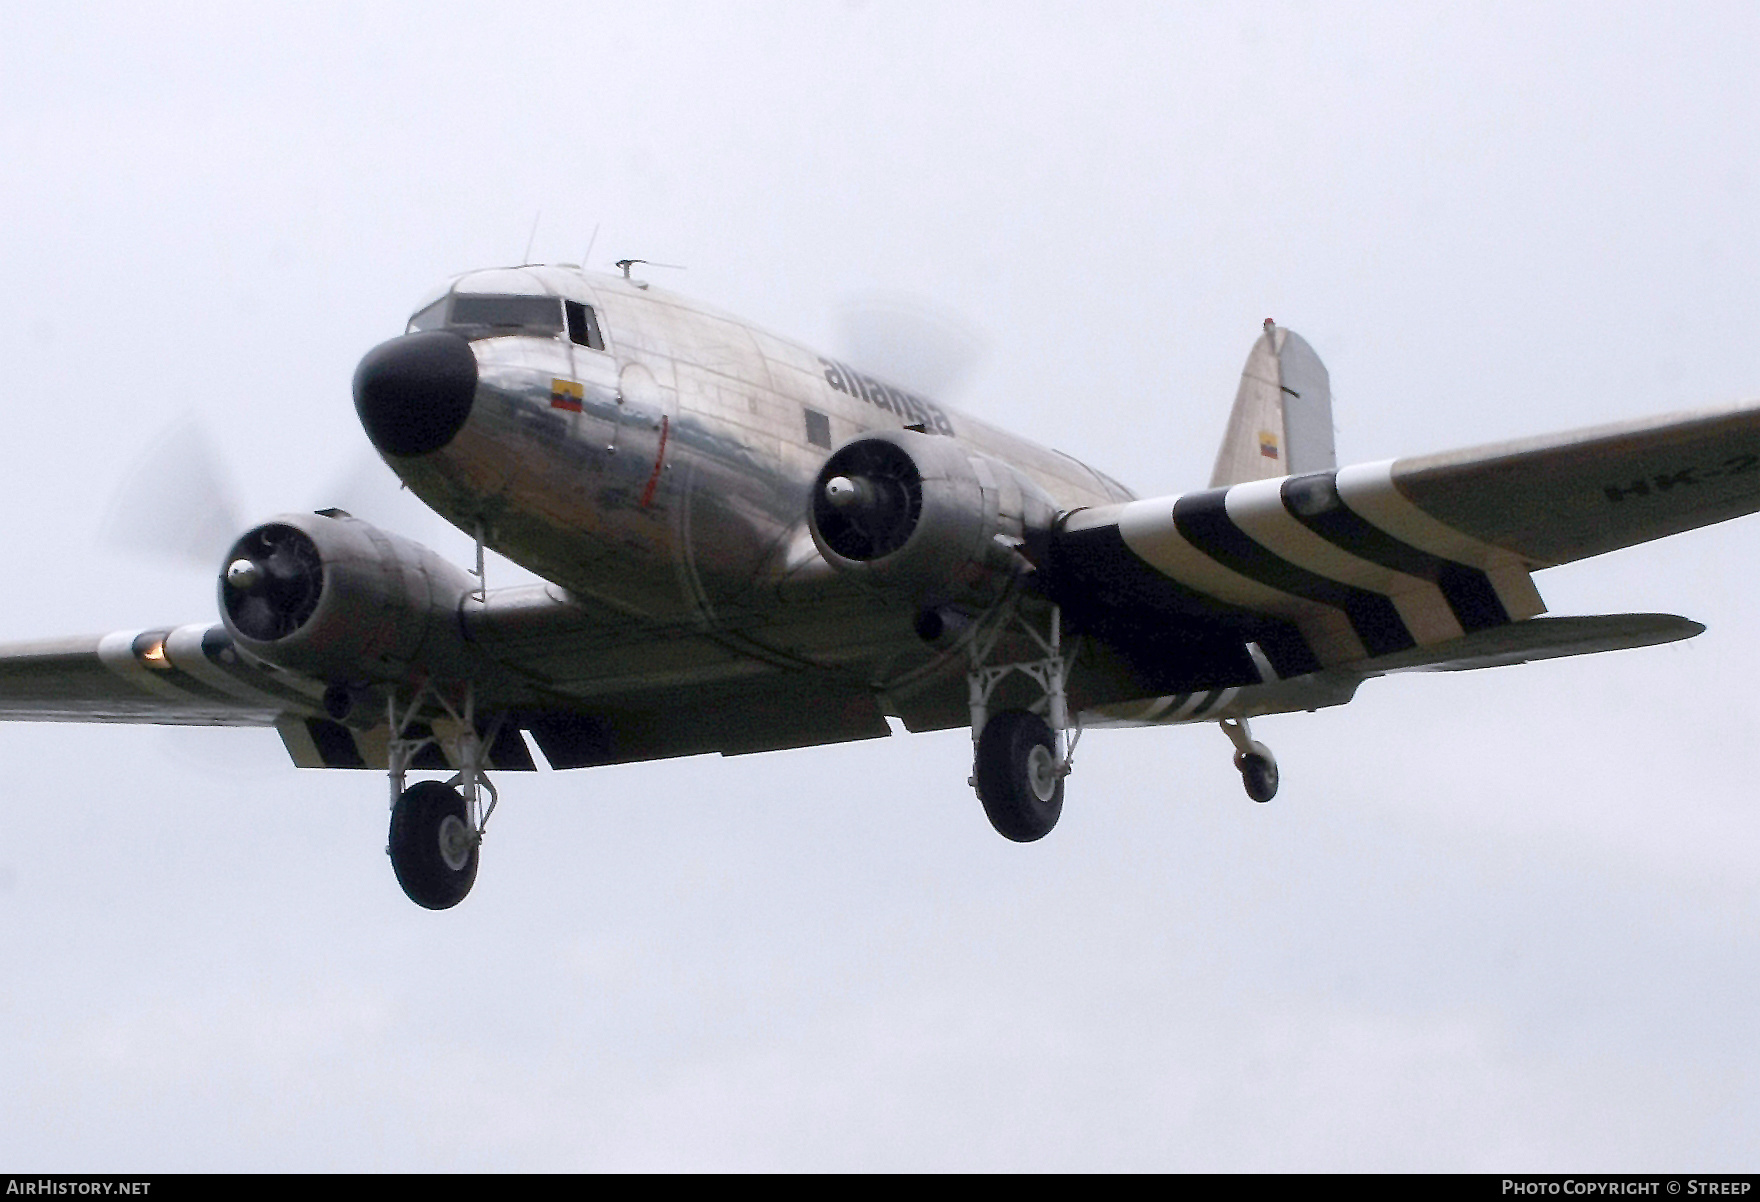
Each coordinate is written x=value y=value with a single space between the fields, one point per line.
x=583 y=325
x=500 y=315
x=431 y=318
x=476 y=315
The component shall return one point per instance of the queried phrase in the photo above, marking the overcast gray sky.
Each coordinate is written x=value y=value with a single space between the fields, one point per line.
x=1504 y=920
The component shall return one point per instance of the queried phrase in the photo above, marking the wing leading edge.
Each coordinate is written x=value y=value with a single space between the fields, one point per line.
x=190 y=675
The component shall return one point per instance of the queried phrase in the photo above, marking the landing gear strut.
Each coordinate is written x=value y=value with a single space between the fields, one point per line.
x=1019 y=759
x=437 y=827
x=1258 y=767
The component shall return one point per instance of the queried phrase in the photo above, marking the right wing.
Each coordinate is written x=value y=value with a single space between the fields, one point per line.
x=194 y=676
x=188 y=676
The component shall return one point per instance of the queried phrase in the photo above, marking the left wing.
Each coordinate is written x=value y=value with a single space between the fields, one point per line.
x=1382 y=562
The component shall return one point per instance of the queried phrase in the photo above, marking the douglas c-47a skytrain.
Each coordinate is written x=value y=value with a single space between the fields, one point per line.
x=750 y=546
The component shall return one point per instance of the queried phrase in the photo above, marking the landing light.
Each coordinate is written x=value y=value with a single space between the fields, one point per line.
x=154 y=655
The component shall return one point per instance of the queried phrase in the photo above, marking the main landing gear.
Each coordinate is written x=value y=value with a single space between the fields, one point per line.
x=1257 y=766
x=1019 y=758
x=437 y=827
x=433 y=846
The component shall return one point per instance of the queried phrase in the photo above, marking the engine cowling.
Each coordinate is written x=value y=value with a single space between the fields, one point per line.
x=925 y=517
x=335 y=597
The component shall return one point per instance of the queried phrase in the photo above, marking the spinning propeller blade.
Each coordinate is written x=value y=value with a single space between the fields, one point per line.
x=178 y=505
x=910 y=342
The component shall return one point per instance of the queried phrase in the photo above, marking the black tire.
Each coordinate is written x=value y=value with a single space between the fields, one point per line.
x=420 y=839
x=1259 y=775
x=1016 y=758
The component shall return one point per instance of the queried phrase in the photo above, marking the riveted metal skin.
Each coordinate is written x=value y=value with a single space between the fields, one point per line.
x=662 y=484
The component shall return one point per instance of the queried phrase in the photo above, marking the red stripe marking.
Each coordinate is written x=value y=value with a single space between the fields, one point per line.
x=659 y=458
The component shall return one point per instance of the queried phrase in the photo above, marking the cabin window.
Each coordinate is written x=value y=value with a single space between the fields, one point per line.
x=499 y=316
x=583 y=325
x=818 y=429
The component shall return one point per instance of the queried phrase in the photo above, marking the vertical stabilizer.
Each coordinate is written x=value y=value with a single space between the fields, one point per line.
x=1282 y=419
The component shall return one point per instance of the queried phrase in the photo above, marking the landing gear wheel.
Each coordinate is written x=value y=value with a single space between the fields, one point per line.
x=1018 y=781
x=1258 y=772
x=433 y=845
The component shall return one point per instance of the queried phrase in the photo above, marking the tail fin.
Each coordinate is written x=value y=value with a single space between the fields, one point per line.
x=1282 y=419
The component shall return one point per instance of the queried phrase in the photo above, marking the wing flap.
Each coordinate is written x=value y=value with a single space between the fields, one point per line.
x=1541 y=638
x=324 y=743
x=772 y=714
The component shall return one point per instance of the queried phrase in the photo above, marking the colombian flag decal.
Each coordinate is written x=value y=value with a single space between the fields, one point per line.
x=565 y=394
x=1267 y=443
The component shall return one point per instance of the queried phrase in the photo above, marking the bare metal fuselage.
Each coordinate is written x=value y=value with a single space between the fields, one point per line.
x=662 y=484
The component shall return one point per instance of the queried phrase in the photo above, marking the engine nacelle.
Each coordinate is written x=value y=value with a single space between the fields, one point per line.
x=925 y=517
x=337 y=598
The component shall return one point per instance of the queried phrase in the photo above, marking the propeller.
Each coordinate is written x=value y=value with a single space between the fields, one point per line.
x=179 y=506
x=910 y=341
x=869 y=501
x=273 y=582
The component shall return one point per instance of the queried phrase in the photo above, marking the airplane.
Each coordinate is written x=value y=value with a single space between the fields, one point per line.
x=747 y=546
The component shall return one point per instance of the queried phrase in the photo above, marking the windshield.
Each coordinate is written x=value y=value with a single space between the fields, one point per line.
x=477 y=316
x=495 y=315
x=431 y=318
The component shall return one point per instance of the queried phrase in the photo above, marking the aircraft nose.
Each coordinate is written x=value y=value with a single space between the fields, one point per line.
x=414 y=392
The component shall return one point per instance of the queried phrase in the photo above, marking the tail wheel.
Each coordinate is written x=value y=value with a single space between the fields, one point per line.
x=433 y=845
x=1018 y=778
x=1258 y=773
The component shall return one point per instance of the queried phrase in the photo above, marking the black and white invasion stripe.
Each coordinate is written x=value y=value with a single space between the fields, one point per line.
x=1342 y=557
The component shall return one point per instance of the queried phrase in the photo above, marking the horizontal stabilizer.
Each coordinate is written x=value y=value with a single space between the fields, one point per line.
x=1540 y=638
